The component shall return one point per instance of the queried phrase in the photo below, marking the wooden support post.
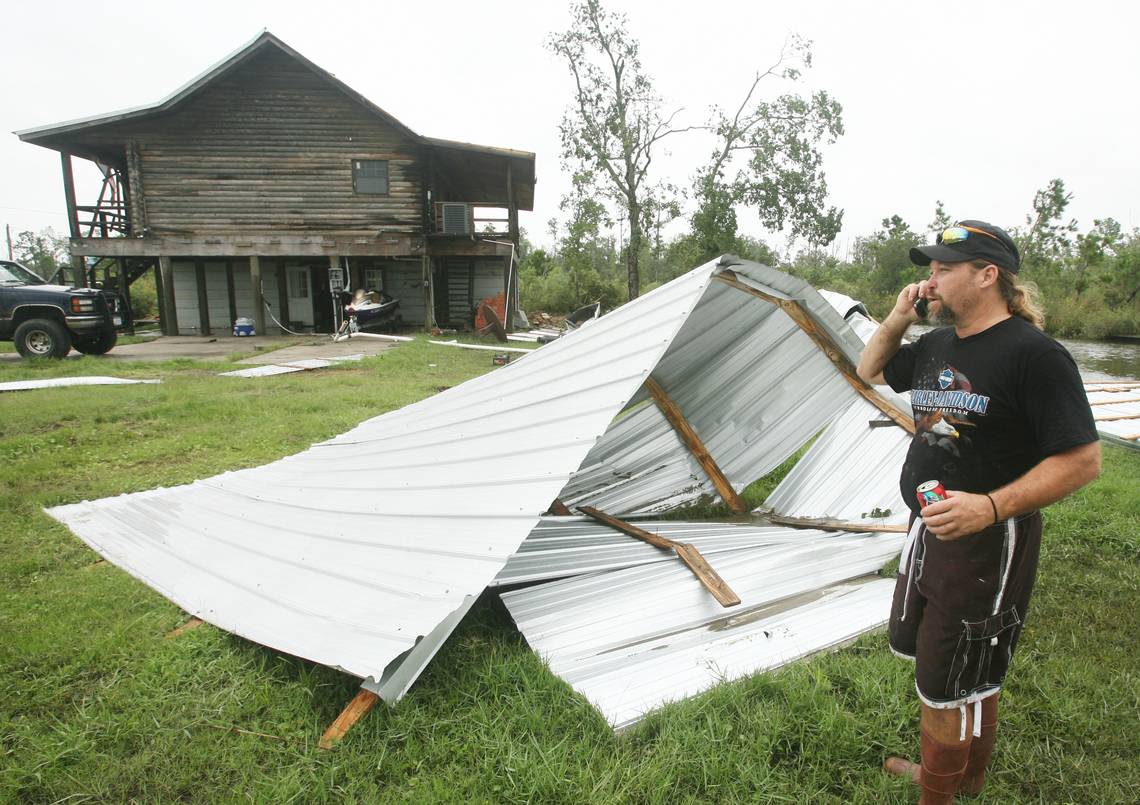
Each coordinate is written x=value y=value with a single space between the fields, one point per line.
x=798 y=314
x=690 y=439
x=283 y=293
x=429 y=295
x=124 y=287
x=203 y=297
x=360 y=704
x=687 y=553
x=258 y=299
x=512 y=261
x=231 y=293
x=169 y=313
x=1115 y=417
x=69 y=194
x=160 y=294
x=835 y=525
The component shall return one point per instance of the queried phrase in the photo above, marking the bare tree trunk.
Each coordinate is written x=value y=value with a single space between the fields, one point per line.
x=633 y=250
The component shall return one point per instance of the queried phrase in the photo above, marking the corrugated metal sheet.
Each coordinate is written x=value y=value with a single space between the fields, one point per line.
x=349 y=552
x=750 y=382
x=631 y=640
x=851 y=471
x=56 y=382
x=567 y=546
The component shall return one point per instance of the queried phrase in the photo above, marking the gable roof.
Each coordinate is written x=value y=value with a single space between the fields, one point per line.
x=50 y=136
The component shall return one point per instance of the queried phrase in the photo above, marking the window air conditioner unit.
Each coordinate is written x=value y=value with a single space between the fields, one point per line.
x=453 y=218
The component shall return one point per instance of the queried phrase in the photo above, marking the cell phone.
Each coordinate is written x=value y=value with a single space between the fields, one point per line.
x=920 y=306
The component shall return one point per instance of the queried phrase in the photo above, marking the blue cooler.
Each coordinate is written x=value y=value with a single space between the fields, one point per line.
x=243 y=326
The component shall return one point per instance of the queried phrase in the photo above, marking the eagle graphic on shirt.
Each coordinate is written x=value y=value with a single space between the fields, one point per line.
x=941 y=413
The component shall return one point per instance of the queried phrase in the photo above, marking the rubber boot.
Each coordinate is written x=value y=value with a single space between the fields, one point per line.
x=981 y=750
x=942 y=768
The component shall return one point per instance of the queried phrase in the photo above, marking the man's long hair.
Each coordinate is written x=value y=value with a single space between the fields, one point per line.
x=1023 y=298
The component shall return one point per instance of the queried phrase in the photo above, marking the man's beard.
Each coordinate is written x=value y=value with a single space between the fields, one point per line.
x=943 y=316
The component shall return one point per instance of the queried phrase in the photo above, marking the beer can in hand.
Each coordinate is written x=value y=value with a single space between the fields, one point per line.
x=930 y=492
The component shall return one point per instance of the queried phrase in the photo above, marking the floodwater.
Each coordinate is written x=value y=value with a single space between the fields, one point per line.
x=1105 y=360
x=1097 y=360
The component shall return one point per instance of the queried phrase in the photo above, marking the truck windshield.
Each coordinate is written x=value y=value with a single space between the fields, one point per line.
x=16 y=274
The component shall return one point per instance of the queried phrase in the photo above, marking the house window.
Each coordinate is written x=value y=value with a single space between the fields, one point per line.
x=373 y=279
x=370 y=176
x=299 y=283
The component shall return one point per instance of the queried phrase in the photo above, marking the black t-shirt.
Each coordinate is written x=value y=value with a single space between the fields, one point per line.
x=988 y=407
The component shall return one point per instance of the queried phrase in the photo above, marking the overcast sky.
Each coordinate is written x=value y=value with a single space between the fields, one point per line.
x=977 y=104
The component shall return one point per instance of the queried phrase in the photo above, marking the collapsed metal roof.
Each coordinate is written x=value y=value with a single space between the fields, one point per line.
x=364 y=552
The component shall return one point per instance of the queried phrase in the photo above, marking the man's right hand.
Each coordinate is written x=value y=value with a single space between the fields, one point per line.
x=885 y=342
x=904 y=305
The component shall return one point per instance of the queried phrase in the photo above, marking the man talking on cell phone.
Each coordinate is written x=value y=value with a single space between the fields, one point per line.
x=1002 y=428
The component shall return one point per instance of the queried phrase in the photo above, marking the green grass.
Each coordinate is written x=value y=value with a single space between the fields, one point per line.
x=96 y=705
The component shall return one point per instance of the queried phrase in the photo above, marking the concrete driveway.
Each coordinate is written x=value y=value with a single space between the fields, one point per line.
x=270 y=349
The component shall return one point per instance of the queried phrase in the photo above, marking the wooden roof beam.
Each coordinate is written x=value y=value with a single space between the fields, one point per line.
x=692 y=441
x=797 y=313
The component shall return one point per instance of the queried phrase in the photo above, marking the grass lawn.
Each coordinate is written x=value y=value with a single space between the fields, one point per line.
x=97 y=705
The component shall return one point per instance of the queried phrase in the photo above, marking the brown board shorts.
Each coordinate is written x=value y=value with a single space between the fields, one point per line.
x=959 y=606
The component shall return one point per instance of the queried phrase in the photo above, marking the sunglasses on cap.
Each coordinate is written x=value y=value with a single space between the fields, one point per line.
x=960 y=232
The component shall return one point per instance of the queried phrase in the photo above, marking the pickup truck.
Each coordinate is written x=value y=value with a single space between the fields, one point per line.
x=46 y=321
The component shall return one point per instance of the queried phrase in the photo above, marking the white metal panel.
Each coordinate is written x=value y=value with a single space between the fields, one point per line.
x=348 y=553
x=631 y=640
x=565 y=546
x=55 y=382
x=851 y=473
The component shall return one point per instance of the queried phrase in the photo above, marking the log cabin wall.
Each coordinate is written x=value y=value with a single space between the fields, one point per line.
x=269 y=147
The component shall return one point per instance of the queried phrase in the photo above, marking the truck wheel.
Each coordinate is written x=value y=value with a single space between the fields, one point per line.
x=42 y=338
x=96 y=344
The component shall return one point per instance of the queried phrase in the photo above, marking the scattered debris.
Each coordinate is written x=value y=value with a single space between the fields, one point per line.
x=56 y=382
x=479 y=346
x=306 y=364
x=365 y=552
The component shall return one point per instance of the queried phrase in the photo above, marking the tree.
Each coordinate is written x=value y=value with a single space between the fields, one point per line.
x=615 y=121
x=886 y=255
x=782 y=178
x=1046 y=239
x=43 y=252
x=942 y=220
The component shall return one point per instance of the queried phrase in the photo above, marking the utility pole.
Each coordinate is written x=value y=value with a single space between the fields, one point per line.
x=8 y=232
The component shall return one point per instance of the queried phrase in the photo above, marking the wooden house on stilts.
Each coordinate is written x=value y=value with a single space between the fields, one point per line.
x=242 y=189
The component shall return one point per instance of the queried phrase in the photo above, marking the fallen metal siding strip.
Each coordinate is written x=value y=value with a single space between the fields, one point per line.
x=851 y=470
x=56 y=382
x=354 y=579
x=592 y=615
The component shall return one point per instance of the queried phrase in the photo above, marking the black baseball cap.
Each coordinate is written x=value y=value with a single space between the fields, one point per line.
x=970 y=240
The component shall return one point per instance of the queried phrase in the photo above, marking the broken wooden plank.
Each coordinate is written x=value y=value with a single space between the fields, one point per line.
x=1116 y=402
x=193 y=623
x=797 y=313
x=559 y=508
x=709 y=577
x=360 y=704
x=825 y=524
x=687 y=553
x=1115 y=417
x=672 y=413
